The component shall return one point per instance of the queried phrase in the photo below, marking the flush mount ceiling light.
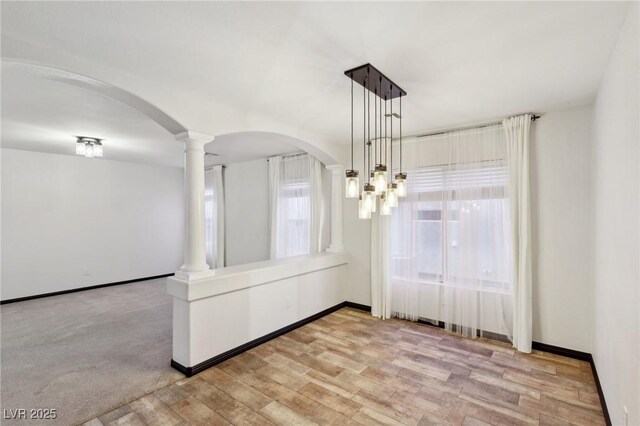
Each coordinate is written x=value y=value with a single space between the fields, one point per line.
x=88 y=147
x=378 y=175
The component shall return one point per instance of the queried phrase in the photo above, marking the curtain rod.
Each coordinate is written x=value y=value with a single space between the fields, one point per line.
x=534 y=117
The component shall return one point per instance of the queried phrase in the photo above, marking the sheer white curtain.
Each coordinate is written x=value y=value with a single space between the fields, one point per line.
x=477 y=258
x=296 y=205
x=214 y=216
x=449 y=249
x=517 y=145
x=381 y=288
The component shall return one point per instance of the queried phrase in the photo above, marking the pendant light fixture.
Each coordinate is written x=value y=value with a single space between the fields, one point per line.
x=377 y=174
x=392 y=194
x=88 y=147
x=401 y=177
x=363 y=211
x=385 y=207
x=352 y=187
x=392 y=187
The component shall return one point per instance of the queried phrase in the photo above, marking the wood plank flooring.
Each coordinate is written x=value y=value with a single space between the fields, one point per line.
x=348 y=368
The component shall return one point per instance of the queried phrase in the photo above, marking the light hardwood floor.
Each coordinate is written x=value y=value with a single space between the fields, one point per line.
x=348 y=368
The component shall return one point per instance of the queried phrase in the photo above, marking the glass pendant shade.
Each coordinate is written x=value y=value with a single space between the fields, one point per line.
x=352 y=184
x=88 y=151
x=363 y=211
x=97 y=149
x=372 y=206
x=380 y=179
x=80 y=148
x=392 y=195
x=401 y=182
x=385 y=208
x=369 y=198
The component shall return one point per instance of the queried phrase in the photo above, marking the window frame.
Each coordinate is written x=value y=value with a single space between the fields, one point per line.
x=446 y=196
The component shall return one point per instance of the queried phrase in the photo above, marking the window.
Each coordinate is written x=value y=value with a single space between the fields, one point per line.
x=292 y=232
x=453 y=229
x=210 y=224
x=293 y=214
x=214 y=216
x=296 y=205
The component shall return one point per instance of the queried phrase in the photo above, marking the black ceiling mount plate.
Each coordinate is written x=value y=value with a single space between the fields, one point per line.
x=369 y=77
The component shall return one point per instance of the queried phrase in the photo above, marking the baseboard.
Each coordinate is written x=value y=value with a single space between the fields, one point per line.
x=75 y=290
x=603 y=403
x=582 y=356
x=190 y=371
x=357 y=306
x=557 y=350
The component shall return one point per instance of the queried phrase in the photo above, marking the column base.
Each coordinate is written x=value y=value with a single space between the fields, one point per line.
x=191 y=273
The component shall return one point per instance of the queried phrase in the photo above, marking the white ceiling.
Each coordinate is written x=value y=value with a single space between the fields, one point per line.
x=228 y=67
x=44 y=115
x=237 y=147
x=40 y=114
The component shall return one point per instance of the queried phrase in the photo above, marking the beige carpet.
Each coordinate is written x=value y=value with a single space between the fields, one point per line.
x=85 y=353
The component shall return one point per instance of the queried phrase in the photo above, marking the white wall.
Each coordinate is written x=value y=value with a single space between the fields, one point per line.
x=561 y=235
x=357 y=242
x=616 y=227
x=247 y=211
x=71 y=222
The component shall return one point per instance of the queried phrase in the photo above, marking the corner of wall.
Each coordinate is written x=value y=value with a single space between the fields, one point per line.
x=616 y=226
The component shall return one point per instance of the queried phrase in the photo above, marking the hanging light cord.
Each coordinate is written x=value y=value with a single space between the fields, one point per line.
x=400 y=132
x=391 y=145
x=391 y=125
x=364 y=128
x=368 y=122
x=385 y=122
x=375 y=129
x=383 y=148
x=385 y=118
x=351 y=121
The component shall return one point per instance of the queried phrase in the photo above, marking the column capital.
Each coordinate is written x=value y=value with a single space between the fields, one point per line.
x=194 y=138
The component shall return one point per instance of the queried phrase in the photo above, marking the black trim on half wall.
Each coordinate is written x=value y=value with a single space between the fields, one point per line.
x=190 y=371
x=74 y=290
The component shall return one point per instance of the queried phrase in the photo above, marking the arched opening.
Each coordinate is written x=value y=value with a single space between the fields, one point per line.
x=260 y=144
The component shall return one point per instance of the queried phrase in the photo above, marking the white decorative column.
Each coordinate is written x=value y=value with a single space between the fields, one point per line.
x=195 y=256
x=337 y=188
